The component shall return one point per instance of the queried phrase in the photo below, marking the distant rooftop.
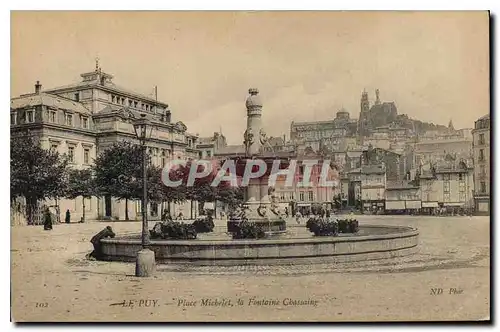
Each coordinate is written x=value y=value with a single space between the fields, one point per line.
x=49 y=100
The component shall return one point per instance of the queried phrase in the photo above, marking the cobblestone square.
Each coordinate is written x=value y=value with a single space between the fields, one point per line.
x=448 y=279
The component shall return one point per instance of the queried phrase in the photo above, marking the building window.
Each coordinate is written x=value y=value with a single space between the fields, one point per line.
x=13 y=118
x=301 y=196
x=163 y=159
x=446 y=197
x=130 y=103
x=460 y=176
x=446 y=187
x=77 y=96
x=483 y=186
x=135 y=104
x=446 y=177
x=462 y=197
x=69 y=119
x=112 y=99
x=85 y=122
x=209 y=154
x=30 y=116
x=86 y=156
x=54 y=147
x=71 y=153
x=52 y=116
x=481 y=154
x=482 y=171
x=461 y=186
x=311 y=196
x=481 y=139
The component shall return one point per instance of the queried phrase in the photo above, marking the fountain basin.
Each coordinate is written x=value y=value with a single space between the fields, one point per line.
x=386 y=242
x=273 y=226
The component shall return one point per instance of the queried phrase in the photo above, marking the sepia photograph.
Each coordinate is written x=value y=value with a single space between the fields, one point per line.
x=250 y=166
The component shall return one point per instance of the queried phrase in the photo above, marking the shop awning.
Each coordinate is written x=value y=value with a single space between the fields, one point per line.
x=303 y=204
x=395 y=205
x=430 y=204
x=413 y=204
x=453 y=204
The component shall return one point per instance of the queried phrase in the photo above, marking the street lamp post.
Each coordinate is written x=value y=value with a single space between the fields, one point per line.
x=145 y=263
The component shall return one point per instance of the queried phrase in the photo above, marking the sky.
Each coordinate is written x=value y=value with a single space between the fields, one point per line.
x=306 y=65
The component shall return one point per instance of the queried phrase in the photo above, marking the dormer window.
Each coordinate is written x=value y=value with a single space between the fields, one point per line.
x=85 y=122
x=135 y=104
x=112 y=99
x=30 y=116
x=52 y=116
x=69 y=119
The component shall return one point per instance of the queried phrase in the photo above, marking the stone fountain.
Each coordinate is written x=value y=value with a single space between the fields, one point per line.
x=260 y=202
x=298 y=246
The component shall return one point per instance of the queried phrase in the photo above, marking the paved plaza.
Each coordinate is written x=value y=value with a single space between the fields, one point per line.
x=448 y=279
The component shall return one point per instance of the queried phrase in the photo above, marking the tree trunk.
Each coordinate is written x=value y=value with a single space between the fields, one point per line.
x=30 y=209
x=126 y=209
x=83 y=204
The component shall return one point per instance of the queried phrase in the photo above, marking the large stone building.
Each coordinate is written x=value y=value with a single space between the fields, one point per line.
x=336 y=134
x=208 y=146
x=439 y=149
x=482 y=162
x=373 y=184
x=446 y=185
x=85 y=118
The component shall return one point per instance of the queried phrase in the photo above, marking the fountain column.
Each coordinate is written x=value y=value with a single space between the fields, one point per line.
x=256 y=192
x=253 y=145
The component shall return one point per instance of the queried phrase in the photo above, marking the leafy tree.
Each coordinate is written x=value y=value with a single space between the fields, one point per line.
x=35 y=173
x=81 y=183
x=233 y=197
x=119 y=173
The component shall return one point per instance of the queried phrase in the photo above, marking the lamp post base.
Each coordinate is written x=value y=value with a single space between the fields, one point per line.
x=145 y=265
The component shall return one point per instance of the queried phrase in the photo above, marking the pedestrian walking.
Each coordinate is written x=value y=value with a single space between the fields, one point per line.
x=47 y=220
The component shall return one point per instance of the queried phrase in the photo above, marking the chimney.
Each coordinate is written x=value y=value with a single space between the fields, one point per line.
x=38 y=87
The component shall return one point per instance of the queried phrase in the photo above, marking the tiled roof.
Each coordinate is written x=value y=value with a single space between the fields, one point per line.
x=48 y=100
x=112 y=86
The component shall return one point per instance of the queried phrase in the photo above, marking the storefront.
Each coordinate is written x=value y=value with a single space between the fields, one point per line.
x=413 y=207
x=373 y=207
x=454 y=208
x=430 y=208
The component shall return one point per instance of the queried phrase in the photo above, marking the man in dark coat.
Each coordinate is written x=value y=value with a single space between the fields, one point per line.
x=47 y=220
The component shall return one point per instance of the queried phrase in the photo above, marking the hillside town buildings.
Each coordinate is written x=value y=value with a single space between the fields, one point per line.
x=381 y=160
